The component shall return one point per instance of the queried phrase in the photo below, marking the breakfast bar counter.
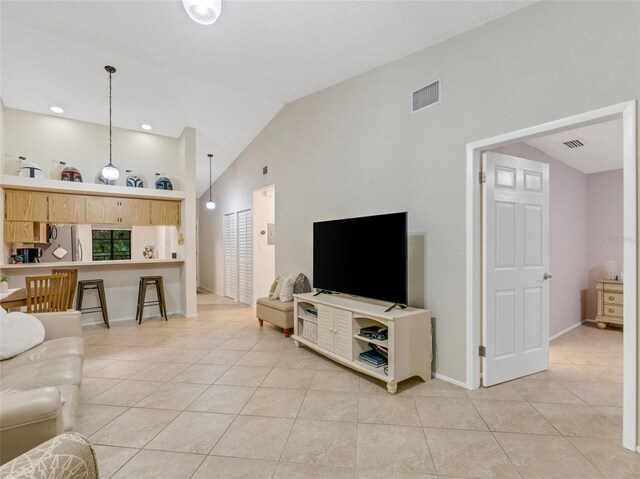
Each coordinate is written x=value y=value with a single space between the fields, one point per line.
x=121 y=281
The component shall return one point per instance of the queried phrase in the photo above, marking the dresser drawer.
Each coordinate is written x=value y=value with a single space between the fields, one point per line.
x=612 y=310
x=613 y=298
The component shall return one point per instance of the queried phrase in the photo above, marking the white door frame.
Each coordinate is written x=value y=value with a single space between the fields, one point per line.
x=626 y=111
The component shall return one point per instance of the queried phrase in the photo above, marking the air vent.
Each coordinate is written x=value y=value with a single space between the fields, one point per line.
x=573 y=144
x=426 y=96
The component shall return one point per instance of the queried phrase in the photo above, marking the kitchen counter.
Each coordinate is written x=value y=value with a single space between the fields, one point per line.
x=81 y=264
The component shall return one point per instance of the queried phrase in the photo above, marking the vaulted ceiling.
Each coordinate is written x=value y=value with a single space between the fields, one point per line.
x=227 y=80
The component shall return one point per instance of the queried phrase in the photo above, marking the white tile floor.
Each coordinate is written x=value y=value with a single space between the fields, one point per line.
x=219 y=397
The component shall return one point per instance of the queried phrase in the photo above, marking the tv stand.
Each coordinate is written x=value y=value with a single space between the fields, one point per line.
x=395 y=305
x=335 y=333
x=323 y=291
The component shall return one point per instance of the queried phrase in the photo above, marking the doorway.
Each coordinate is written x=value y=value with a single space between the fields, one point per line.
x=264 y=248
x=627 y=113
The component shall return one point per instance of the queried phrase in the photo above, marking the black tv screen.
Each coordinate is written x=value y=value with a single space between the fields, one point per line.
x=364 y=256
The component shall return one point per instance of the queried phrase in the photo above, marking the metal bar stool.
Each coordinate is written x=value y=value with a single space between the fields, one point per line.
x=146 y=281
x=89 y=284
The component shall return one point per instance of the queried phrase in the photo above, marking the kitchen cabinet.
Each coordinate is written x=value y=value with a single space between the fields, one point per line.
x=135 y=212
x=25 y=205
x=165 y=212
x=103 y=210
x=24 y=232
x=67 y=208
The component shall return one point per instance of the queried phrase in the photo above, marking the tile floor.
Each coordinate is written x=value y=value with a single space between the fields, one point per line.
x=219 y=397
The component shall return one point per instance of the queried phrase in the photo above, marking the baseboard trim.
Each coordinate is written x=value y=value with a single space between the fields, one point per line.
x=638 y=448
x=449 y=380
x=564 y=331
x=207 y=290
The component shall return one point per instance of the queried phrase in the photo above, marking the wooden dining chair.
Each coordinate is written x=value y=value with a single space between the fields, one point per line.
x=73 y=282
x=47 y=293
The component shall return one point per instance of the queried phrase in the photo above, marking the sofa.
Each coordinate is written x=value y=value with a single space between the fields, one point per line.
x=40 y=387
x=68 y=456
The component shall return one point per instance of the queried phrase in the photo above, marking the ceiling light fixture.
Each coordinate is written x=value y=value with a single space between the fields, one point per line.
x=56 y=109
x=110 y=172
x=210 y=204
x=204 y=12
x=144 y=126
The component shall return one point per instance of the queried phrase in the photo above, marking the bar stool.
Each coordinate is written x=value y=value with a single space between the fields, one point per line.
x=89 y=284
x=146 y=281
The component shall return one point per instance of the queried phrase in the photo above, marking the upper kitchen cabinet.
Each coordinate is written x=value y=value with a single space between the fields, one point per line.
x=104 y=210
x=67 y=208
x=165 y=213
x=25 y=206
x=135 y=211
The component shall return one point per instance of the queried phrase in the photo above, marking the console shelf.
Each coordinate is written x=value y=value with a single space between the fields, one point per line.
x=336 y=335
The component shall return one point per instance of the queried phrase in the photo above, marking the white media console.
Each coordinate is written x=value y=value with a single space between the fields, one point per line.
x=334 y=333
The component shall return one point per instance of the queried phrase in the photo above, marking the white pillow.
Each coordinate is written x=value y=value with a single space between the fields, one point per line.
x=286 y=293
x=279 y=281
x=19 y=332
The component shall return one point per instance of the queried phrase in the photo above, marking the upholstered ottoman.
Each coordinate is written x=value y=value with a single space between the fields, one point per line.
x=275 y=312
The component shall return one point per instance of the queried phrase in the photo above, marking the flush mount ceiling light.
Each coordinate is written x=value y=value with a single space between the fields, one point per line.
x=204 y=12
x=144 y=126
x=56 y=109
x=110 y=172
x=210 y=204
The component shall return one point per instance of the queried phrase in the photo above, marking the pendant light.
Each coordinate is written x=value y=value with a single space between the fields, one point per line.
x=110 y=172
x=210 y=204
x=204 y=12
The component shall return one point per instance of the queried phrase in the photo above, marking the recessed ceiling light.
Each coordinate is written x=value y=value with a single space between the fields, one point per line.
x=56 y=109
x=204 y=12
x=144 y=126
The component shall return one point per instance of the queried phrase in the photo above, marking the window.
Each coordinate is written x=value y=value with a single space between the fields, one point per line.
x=111 y=244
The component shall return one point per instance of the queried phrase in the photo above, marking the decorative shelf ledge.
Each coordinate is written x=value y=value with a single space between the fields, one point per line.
x=95 y=264
x=57 y=186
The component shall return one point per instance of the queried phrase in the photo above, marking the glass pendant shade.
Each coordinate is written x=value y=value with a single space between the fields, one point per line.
x=110 y=172
x=204 y=12
x=210 y=204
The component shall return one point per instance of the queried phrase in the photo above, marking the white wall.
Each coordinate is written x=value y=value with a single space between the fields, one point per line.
x=355 y=148
x=47 y=140
x=567 y=237
x=264 y=255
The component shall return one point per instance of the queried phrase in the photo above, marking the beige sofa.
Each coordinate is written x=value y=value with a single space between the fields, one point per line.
x=48 y=379
x=68 y=456
x=275 y=312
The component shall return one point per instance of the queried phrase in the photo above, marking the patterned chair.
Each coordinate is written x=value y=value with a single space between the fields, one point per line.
x=67 y=456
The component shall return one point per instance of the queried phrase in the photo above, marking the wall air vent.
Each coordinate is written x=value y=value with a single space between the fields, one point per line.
x=573 y=144
x=426 y=96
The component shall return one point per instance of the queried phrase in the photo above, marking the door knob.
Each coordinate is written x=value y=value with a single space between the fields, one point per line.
x=547 y=276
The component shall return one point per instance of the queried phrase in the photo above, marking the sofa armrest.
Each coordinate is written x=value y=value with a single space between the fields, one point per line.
x=28 y=418
x=68 y=455
x=61 y=325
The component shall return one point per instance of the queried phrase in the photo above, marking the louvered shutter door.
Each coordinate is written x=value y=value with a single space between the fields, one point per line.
x=245 y=257
x=230 y=256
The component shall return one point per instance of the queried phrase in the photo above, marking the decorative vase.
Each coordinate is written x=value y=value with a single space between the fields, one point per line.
x=4 y=286
x=103 y=181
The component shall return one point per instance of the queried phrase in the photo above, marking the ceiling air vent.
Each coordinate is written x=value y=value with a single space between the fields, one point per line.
x=426 y=96
x=573 y=144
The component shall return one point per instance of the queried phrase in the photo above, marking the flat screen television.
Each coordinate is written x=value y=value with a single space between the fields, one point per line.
x=364 y=256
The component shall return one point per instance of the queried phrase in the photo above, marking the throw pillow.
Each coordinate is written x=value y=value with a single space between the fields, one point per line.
x=19 y=332
x=302 y=285
x=279 y=281
x=286 y=293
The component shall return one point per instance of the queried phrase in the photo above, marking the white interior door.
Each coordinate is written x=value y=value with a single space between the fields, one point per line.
x=245 y=257
x=515 y=265
x=230 y=256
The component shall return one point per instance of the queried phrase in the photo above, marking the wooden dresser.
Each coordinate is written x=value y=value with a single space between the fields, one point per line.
x=610 y=302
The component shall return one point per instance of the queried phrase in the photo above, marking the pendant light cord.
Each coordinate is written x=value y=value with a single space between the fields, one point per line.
x=110 y=134
x=210 y=156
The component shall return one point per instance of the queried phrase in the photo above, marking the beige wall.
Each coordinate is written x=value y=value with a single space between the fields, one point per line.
x=355 y=148
x=47 y=140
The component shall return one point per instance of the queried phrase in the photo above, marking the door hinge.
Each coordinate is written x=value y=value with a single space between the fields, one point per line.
x=482 y=351
x=482 y=177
